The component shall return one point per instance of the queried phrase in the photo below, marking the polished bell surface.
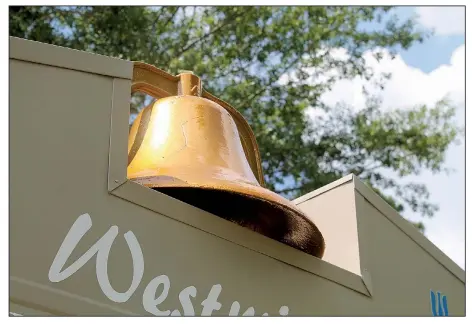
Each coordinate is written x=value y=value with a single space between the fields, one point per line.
x=187 y=137
x=189 y=147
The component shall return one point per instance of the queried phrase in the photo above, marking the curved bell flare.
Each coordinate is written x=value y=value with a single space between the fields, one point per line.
x=189 y=147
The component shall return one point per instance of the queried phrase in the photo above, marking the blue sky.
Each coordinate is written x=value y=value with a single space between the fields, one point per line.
x=424 y=74
x=447 y=228
x=435 y=51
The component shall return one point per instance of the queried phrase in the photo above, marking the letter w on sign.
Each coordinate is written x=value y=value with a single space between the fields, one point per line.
x=438 y=304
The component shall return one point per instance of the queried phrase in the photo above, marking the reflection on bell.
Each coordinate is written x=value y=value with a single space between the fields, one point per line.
x=190 y=148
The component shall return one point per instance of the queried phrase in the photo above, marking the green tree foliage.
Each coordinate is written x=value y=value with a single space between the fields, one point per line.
x=241 y=54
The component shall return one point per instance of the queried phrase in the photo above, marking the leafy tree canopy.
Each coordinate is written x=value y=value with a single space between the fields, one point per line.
x=241 y=54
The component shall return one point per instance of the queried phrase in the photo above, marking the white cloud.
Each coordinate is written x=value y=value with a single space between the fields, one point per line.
x=408 y=87
x=444 y=20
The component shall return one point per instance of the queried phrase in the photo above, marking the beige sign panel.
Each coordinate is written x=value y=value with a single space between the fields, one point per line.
x=84 y=240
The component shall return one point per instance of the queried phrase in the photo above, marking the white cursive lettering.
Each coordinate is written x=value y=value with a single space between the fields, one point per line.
x=102 y=248
x=211 y=303
x=185 y=301
x=234 y=311
x=150 y=301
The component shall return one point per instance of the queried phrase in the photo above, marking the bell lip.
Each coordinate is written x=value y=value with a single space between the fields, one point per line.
x=256 y=192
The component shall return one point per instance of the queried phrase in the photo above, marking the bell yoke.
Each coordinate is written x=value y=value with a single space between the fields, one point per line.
x=195 y=147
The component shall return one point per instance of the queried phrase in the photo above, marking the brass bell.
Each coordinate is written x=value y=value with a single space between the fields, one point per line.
x=196 y=148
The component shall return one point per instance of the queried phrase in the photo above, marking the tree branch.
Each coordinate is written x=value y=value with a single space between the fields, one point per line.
x=287 y=190
x=154 y=23
x=236 y=70
x=369 y=168
x=228 y=22
x=251 y=98
x=171 y=17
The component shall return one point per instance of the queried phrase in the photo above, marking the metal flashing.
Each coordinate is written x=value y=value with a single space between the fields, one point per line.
x=36 y=52
x=385 y=209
